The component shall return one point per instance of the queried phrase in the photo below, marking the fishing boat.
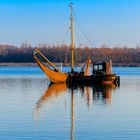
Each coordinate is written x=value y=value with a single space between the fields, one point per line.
x=101 y=72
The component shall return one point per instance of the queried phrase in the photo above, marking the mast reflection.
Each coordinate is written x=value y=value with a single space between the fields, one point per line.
x=72 y=114
x=91 y=94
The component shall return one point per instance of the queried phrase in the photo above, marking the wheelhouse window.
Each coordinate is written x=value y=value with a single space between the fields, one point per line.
x=98 y=67
x=95 y=67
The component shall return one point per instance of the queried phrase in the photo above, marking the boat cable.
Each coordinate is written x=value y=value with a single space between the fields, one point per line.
x=45 y=61
x=66 y=35
x=61 y=58
x=55 y=35
x=41 y=60
x=54 y=56
x=83 y=30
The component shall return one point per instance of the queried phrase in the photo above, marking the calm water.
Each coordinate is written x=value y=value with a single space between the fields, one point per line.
x=29 y=109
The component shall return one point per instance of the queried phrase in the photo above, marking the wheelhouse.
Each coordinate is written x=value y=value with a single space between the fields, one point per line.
x=102 y=68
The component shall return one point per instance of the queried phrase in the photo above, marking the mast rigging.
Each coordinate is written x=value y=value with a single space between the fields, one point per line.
x=72 y=38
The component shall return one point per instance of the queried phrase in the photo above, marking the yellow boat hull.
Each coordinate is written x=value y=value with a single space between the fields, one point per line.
x=53 y=76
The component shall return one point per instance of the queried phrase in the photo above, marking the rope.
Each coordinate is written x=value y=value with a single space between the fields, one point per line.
x=66 y=34
x=83 y=29
x=57 y=31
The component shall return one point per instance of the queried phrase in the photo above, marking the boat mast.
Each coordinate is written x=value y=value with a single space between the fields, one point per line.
x=72 y=38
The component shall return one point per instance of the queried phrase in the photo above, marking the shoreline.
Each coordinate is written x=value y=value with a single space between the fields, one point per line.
x=18 y=65
x=58 y=64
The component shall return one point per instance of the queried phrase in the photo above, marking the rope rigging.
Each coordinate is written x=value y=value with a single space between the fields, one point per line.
x=55 y=35
x=60 y=58
x=82 y=29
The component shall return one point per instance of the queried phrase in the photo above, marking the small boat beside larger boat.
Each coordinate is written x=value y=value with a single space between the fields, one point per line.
x=101 y=72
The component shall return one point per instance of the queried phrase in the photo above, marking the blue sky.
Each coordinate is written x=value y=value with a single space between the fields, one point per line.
x=110 y=22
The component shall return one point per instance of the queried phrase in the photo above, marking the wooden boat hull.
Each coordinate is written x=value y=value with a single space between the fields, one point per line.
x=53 y=76
x=101 y=79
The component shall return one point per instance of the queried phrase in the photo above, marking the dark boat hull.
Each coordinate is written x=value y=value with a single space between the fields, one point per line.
x=98 y=79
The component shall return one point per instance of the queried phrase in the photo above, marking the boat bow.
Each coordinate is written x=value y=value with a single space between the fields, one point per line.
x=53 y=74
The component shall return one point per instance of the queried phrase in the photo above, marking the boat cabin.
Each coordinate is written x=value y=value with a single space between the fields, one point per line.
x=102 y=68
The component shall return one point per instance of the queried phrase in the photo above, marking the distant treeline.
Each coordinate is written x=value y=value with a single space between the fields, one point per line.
x=122 y=56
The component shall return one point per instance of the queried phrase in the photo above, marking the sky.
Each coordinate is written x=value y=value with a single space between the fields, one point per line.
x=97 y=22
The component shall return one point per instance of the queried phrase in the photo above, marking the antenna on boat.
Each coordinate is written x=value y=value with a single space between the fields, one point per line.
x=72 y=37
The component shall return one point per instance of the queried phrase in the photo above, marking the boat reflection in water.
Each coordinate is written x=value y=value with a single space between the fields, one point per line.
x=52 y=91
x=98 y=93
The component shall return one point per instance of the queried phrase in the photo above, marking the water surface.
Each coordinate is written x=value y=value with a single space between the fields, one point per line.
x=31 y=109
